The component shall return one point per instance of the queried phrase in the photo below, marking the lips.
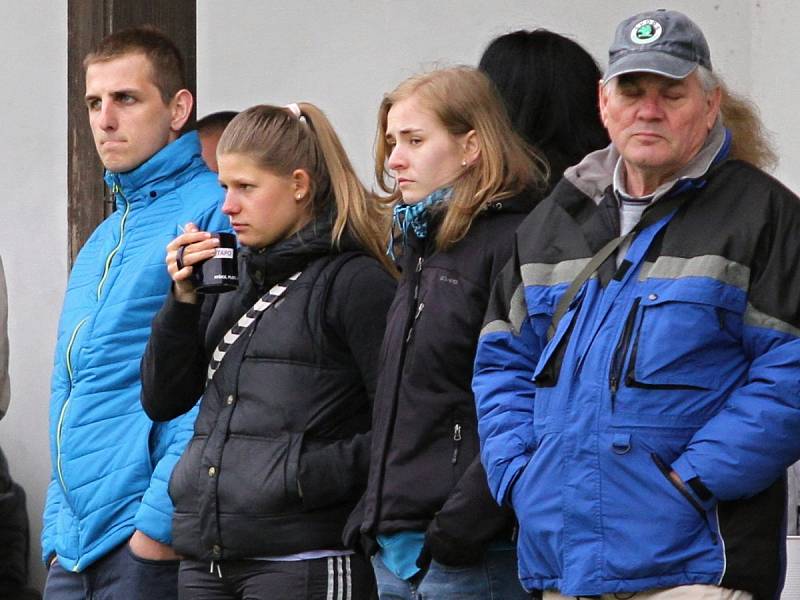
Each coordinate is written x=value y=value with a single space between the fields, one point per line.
x=651 y=135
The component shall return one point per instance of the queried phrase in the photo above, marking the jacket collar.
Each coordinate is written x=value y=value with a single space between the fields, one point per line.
x=165 y=170
x=271 y=265
x=603 y=168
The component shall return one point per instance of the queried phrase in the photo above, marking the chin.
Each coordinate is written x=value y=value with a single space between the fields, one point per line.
x=412 y=198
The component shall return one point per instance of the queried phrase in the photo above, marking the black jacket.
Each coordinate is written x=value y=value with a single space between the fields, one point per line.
x=425 y=473
x=288 y=410
x=14 y=538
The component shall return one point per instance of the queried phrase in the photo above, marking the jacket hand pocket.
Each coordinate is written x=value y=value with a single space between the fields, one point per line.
x=258 y=475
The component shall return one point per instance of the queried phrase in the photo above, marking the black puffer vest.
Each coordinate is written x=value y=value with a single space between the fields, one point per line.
x=288 y=383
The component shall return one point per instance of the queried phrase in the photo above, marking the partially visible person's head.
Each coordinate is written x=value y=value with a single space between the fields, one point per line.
x=135 y=95
x=284 y=166
x=658 y=99
x=549 y=85
x=210 y=129
x=449 y=128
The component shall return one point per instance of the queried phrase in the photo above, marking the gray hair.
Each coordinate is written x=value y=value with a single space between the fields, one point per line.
x=708 y=79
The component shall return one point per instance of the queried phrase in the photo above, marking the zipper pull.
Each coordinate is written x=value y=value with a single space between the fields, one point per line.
x=457 y=442
x=420 y=306
x=419 y=264
x=614 y=387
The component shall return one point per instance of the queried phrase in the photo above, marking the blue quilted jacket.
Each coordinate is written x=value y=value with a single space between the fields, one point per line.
x=110 y=463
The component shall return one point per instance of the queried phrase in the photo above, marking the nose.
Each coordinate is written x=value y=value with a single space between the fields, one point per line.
x=650 y=107
x=107 y=117
x=230 y=206
x=397 y=159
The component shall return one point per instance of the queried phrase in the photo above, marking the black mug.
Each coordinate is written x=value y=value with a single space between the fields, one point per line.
x=220 y=273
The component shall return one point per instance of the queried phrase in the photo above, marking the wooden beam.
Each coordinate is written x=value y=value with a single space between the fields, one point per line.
x=89 y=21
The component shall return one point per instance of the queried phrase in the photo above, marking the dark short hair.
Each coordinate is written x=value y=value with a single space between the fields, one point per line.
x=215 y=121
x=549 y=85
x=162 y=53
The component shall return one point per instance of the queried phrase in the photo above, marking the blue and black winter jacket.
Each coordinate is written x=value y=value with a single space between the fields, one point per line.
x=685 y=358
x=110 y=462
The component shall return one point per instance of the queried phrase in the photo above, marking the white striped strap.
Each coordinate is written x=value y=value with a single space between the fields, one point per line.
x=245 y=321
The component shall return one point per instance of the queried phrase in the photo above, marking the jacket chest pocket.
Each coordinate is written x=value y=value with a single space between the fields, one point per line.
x=686 y=338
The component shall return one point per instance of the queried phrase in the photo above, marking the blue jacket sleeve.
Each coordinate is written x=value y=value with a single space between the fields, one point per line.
x=749 y=444
x=168 y=441
x=503 y=382
x=753 y=439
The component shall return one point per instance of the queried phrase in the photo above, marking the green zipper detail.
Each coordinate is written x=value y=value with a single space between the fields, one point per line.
x=107 y=268
x=66 y=404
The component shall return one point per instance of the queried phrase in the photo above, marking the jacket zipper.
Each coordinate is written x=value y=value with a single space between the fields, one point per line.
x=117 y=189
x=70 y=376
x=415 y=308
x=420 y=306
x=456 y=442
x=618 y=358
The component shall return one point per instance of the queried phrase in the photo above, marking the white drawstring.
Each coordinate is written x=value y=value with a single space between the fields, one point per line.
x=219 y=569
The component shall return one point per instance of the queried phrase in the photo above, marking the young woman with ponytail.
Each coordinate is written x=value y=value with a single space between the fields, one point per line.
x=281 y=443
x=461 y=181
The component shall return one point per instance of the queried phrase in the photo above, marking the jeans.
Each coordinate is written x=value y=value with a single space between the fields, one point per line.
x=338 y=577
x=495 y=578
x=120 y=574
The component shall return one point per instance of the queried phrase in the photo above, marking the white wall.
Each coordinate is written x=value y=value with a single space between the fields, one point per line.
x=33 y=230
x=344 y=55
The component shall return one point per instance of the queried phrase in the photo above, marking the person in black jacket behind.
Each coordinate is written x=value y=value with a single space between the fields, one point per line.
x=463 y=181
x=549 y=85
x=281 y=445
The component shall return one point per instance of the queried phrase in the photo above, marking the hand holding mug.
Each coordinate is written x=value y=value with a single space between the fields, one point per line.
x=186 y=251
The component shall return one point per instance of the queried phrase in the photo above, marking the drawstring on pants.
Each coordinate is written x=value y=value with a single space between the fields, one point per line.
x=219 y=569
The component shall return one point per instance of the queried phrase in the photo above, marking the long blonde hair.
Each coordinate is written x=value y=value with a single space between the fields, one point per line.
x=463 y=99
x=281 y=142
x=750 y=140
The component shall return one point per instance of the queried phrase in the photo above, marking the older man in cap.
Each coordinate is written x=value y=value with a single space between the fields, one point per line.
x=638 y=375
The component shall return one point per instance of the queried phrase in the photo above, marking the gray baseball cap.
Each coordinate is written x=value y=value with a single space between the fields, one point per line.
x=664 y=42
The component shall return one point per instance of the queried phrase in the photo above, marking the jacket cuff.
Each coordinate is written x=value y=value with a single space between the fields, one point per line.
x=154 y=524
x=447 y=550
x=178 y=315
x=693 y=483
x=510 y=475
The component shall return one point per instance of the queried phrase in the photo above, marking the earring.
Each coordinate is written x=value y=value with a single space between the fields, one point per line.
x=299 y=197
x=464 y=163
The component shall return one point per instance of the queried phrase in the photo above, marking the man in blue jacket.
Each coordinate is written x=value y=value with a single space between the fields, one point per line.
x=638 y=373
x=107 y=517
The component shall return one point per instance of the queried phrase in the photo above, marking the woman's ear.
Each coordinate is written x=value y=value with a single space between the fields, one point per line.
x=301 y=185
x=472 y=147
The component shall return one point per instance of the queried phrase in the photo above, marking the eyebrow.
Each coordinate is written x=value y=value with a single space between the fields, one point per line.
x=115 y=93
x=406 y=131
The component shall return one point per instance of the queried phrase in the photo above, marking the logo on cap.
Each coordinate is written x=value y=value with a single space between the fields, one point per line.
x=646 y=32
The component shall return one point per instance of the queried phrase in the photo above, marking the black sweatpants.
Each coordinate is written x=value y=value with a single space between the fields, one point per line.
x=334 y=578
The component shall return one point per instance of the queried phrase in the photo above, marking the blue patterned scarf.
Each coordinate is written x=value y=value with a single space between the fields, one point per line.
x=415 y=216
